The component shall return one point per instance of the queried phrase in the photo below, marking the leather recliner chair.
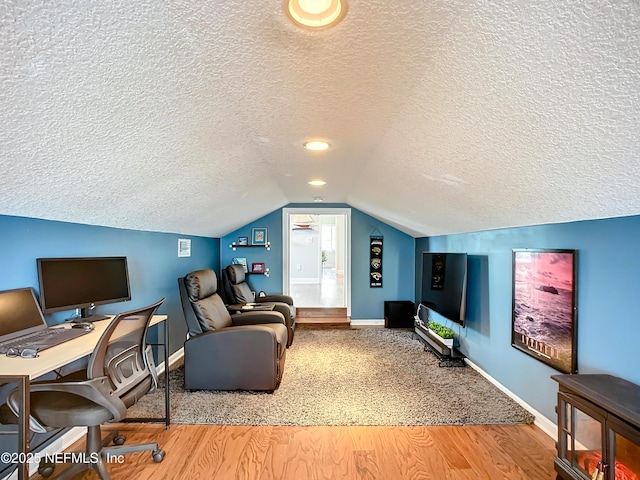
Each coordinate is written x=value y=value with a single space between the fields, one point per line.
x=239 y=293
x=245 y=351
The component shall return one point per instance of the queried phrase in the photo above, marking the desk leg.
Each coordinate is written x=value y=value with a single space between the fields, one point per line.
x=167 y=407
x=23 y=425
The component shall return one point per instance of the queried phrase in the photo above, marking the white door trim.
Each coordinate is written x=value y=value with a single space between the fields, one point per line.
x=286 y=214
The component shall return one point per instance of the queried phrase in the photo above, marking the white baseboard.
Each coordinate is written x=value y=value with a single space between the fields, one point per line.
x=367 y=322
x=173 y=358
x=76 y=433
x=540 y=421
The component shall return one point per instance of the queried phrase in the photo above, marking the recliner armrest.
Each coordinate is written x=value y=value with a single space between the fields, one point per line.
x=224 y=341
x=275 y=298
x=220 y=338
x=256 y=318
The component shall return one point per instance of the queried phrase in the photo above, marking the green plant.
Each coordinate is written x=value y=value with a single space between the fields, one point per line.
x=441 y=330
x=324 y=256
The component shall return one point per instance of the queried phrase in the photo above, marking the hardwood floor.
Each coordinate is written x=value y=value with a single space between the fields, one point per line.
x=221 y=452
x=319 y=317
x=300 y=453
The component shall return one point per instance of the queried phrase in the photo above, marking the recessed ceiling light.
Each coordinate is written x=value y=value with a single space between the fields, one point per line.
x=317 y=183
x=315 y=14
x=316 y=145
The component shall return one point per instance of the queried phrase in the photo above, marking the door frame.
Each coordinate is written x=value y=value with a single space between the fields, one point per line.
x=286 y=230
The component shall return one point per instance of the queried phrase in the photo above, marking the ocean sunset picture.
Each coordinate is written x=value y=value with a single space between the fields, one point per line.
x=544 y=306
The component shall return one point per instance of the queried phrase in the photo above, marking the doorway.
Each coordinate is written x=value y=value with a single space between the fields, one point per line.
x=316 y=257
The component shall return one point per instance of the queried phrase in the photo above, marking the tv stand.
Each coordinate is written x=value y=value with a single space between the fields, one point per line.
x=598 y=427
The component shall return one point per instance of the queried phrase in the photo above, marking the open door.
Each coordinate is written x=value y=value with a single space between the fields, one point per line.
x=316 y=266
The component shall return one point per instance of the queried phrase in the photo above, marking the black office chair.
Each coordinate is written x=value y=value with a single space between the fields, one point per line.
x=120 y=371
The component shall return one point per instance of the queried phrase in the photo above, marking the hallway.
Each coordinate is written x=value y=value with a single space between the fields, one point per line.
x=328 y=293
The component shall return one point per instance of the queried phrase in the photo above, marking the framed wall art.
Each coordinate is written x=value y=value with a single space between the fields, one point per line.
x=257 y=267
x=258 y=236
x=544 y=320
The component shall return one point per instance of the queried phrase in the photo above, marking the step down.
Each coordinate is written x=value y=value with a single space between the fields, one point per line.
x=318 y=317
x=311 y=312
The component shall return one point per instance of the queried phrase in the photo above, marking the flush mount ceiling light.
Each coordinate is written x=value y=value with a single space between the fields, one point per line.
x=316 y=145
x=317 y=183
x=315 y=14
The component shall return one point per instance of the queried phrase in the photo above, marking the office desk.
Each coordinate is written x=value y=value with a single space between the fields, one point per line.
x=23 y=370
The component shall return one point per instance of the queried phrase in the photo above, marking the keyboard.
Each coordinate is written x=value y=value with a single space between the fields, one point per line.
x=43 y=339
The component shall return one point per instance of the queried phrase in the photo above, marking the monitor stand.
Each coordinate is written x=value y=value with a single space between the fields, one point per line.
x=85 y=316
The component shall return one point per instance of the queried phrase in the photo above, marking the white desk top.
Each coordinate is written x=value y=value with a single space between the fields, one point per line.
x=60 y=355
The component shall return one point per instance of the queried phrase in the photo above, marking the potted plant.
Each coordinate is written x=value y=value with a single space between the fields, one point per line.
x=443 y=334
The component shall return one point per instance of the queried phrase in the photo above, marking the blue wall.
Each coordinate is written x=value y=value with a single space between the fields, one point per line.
x=366 y=303
x=608 y=281
x=154 y=266
x=271 y=258
x=608 y=285
x=397 y=259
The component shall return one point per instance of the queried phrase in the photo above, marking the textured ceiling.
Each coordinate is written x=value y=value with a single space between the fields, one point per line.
x=444 y=116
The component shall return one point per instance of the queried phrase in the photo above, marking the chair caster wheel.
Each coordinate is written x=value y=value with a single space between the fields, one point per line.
x=46 y=469
x=158 y=455
x=119 y=440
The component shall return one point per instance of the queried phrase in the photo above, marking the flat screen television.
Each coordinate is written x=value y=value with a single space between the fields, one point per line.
x=82 y=283
x=444 y=284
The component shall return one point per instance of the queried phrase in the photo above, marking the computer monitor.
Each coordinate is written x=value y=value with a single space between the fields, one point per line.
x=82 y=283
x=19 y=313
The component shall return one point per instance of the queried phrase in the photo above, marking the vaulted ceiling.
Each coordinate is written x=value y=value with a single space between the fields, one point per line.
x=443 y=116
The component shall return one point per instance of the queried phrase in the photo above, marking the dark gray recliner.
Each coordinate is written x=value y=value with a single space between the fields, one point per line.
x=240 y=293
x=120 y=371
x=245 y=351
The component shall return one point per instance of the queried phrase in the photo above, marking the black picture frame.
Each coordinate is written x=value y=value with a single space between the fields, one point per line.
x=243 y=241
x=544 y=306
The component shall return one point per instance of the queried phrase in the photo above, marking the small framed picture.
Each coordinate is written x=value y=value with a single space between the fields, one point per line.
x=259 y=236
x=243 y=241
x=184 y=247
x=257 y=267
x=240 y=261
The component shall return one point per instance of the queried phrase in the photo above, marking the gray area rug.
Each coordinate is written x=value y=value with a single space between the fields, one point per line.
x=349 y=377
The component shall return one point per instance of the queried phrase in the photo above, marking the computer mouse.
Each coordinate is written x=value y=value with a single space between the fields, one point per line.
x=85 y=325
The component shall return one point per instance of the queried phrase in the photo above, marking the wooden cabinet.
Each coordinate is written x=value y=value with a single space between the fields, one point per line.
x=598 y=428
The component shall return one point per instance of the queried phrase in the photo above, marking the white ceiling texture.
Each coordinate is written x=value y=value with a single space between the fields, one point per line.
x=444 y=116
